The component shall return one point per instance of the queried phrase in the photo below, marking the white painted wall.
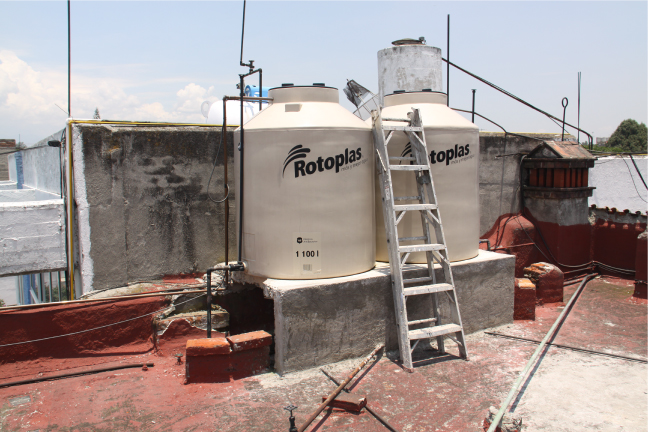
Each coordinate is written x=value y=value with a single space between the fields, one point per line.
x=8 y=290
x=618 y=184
x=32 y=237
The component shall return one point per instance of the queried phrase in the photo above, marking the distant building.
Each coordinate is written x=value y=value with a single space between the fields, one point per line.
x=5 y=145
x=601 y=141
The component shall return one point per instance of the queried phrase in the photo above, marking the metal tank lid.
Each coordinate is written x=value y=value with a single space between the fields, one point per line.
x=318 y=92
x=400 y=97
x=409 y=41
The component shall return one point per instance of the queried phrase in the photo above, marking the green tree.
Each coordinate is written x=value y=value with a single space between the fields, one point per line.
x=630 y=136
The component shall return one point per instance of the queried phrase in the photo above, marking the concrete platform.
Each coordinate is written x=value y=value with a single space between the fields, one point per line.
x=322 y=321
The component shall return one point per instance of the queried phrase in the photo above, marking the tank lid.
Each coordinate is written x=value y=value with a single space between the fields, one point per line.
x=400 y=97
x=399 y=91
x=314 y=93
x=287 y=85
x=408 y=41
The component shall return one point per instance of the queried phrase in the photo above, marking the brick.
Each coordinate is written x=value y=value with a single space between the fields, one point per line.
x=207 y=369
x=249 y=362
x=548 y=280
x=347 y=402
x=525 y=299
x=208 y=347
x=251 y=340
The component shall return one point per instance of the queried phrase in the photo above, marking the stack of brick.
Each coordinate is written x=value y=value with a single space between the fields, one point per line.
x=223 y=359
x=548 y=280
x=525 y=299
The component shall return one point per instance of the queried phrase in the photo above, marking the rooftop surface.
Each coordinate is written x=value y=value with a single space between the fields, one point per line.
x=568 y=390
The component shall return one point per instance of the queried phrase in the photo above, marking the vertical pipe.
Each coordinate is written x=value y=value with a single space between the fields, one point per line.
x=224 y=132
x=473 y=109
x=209 y=303
x=579 y=86
x=242 y=33
x=69 y=62
x=58 y=285
x=260 y=88
x=240 y=197
x=448 y=65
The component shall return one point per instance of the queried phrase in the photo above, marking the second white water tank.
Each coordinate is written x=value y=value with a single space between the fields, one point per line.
x=453 y=151
x=308 y=201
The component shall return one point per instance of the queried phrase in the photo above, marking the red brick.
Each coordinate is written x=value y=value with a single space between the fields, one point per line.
x=347 y=402
x=249 y=362
x=207 y=369
x=251 y=340
x=548 y=280
x=525 y=300
x=208 y=347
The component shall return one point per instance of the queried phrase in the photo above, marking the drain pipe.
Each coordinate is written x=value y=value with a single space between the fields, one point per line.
x=550 y=334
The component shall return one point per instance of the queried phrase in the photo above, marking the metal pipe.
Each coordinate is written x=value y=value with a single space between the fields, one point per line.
x=516 y=385
x=448 y=66
x=473 y=109
x=372 y=412
x=241 y=155
x=579 y=86
x=260 y=88
x=73 y=374
x=224 y=132
x=337 y=391
x=564 y=102
x=69 y=62
x=242 y=35
x=488 y=245
x=637 y=359
x=209 y=304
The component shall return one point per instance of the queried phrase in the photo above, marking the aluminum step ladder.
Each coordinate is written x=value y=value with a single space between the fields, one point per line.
x=406 y=288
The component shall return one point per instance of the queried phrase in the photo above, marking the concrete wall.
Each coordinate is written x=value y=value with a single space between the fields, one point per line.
x=618 y=185
x=32 y=237
x=41 y=166
x=8 y=290
x=142 y=206
x=21 y=195
x=499 y=175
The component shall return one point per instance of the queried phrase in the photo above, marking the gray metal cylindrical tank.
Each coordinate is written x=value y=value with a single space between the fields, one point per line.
x=308 y=204
x=453 y=146
x=410 y=67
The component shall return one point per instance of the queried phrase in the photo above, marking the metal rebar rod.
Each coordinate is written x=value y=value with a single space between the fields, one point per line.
x=516 y=385
x=209 y=301
x=570 y=347
x=473 y=107
x=448 y=66
x=337 y=391
x=74 y=374
x=240 y=191
x=69 y=63
x=372 y=412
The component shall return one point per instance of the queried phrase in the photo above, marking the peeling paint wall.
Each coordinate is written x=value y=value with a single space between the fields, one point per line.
x=142 y=205
x=618 y=184
x=32 y=237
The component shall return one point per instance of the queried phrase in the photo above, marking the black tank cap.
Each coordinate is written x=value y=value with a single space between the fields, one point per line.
x=287 y=85
x=399 y=91
x=427 y=90
x=319 y=85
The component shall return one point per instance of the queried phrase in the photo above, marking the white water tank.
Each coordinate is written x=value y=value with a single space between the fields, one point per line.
x=308 y=202
x=453 y=146
x=213 y=111
x=409 y=65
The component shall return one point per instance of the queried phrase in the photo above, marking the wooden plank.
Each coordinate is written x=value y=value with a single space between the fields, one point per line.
x=415 y=207
x=409 y=167
x=435 y=331
x=421 y=248
x=427 y=289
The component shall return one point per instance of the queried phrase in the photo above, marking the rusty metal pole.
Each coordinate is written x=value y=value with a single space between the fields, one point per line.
x=209 y=301
x=337 y=391
x=224 y=132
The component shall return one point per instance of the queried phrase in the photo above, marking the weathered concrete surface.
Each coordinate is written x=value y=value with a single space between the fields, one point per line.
x=26 y=194
x=618 y=184
x=574 y=391
x=563 y=211
x=143 y=209
x=499 y=177
x=41 y=165
x=32 y=237
x=327 y=320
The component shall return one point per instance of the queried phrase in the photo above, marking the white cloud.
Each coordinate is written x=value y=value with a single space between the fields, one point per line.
x=28 y=99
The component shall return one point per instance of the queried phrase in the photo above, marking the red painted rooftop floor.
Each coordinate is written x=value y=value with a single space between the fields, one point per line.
x=443 y=394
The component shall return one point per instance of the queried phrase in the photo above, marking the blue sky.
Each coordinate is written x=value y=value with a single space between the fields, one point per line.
x=159 y=60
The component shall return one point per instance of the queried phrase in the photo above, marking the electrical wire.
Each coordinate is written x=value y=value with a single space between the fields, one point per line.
x=638 y=172
x=100 y=327
x=223 y=131
x=633 y=181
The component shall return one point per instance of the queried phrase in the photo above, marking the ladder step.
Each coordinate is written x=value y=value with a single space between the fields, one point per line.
x=408 y=167
x=418 y=280
x=401 y=239
x=401 y=207
x=427 y=289
x=402 y=128
x=421 y=248
x=431 y=332
x=402 y=158
x=422 y=321
x=407 y=198
x=396 y=119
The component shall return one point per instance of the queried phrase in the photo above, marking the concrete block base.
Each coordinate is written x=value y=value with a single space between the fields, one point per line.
x=323 y=321
x=525 y=299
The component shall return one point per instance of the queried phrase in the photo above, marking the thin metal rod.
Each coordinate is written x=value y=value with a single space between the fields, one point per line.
x=240 y=191
x=226 y=230
x=565 y=102
x=69 y=62
x=448 y=66
x=516 y=385
x=209 y=301
x=74 y=374
x=637 y=359
x=372 y=412
x=473 y=108
x=260 y=88
x=243 y=34
x=579 y=91
x=337 y=391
